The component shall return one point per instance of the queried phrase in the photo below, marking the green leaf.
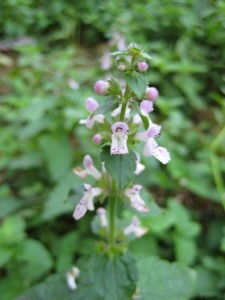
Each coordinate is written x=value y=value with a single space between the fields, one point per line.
x=114 y=88
x=145 y=121
x=58 y=154
x=120 y=167
x=64 y=250
x=8 y=205
x=136 y=82
x=5 y=255
x=113 y=278
x=12 y=231
x=162 y=280
x=185 y=249
x=55 y=288
x=108 y=106
x=35 y=260
x=56 y=203
x=206 y=284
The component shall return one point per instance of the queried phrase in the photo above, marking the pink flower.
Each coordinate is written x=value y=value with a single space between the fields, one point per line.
x=71 y=276
x=142 y=66
x=89 y=169
x=151 y=147
x=135 y=200
x=152 y=93
x=102 y=216
x=91 y=120
x=97 y=138
x=146 y=106
x=91 y=104
x=119 y=138
x=86 y=202
x=101 y=87
x=135 y=228
x=106 y=61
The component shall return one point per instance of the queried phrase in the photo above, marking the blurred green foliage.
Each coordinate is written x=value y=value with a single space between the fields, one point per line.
x=40 y=141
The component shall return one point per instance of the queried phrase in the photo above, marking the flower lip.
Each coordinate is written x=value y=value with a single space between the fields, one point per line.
x=87 y=187
x=120 y=127
x=154 y=131
x=146 y=106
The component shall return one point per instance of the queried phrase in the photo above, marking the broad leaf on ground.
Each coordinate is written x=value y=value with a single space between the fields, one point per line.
x=159 y=279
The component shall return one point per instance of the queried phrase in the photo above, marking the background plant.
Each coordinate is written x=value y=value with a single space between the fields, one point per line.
x=39 y=113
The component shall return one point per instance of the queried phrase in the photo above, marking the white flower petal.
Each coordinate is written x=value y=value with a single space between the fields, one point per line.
x=119 y=144
x=150 y=146
x=71 y=281
x=116 y=111
x=80 y=211
x=80 y=172
x=142 y=136
x=162 y=155
x=94 y=172
x=98 y=118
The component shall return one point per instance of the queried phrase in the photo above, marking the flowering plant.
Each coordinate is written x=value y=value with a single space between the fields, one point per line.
x=119 y=125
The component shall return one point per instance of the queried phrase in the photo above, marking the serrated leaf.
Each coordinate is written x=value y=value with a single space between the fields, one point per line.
x=162 y=280
x=113 y=278
x=146 y=56
x=108 y=106
x=114 y=88
x=136 y=82
x=120 y=53
x=120 y=167
x=55 y=288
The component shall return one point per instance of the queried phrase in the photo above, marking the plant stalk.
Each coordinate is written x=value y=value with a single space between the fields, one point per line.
x=112 y=219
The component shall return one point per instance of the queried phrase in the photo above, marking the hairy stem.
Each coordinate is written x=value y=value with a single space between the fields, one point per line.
x=112 y=217
x=124 y=105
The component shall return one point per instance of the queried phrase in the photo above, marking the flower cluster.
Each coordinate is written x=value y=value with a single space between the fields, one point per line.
x=126 y=123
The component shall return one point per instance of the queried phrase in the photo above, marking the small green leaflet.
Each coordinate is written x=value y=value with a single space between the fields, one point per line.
x=120 y=167
x=136 y=82
x=145 y=121
x=114 y=88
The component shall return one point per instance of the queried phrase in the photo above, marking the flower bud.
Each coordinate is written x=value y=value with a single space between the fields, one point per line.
x=146 y=106
x=97 y=138
x=87 y=161
x=121 y=67
x=142 y=66
x=152 y=93
x=91 y=104
x=101 y=87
